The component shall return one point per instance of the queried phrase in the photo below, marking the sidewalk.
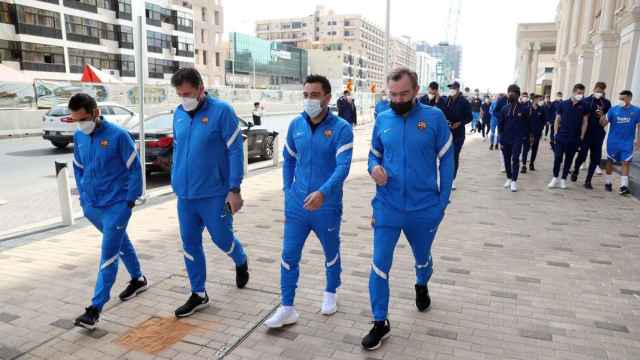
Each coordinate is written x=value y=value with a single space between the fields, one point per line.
x=536 y=274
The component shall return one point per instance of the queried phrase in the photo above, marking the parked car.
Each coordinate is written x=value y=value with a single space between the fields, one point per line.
x=58 y=128
x=158 y=133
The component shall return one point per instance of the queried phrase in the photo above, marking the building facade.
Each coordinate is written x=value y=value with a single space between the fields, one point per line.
x=403 y=53
x=257 y=63
x=327 y=31
x=208 y=24
x=598 y=40
x=426 y=67
x=53 y=39
x=535 y=60
x=341 y=68
x=450 y=59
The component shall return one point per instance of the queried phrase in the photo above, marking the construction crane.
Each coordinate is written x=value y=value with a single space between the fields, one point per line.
x=450 y=40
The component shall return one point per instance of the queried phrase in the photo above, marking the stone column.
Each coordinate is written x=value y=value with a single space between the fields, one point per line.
x=524 y=67
x=534 y=68
x=572 y=53
x=585 y=57
x=605 y=46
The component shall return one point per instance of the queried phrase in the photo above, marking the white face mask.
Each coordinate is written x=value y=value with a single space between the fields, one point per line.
x=540 y=103
x=190 y=103
x=597 y=95
x=524 y=99
x=87 y=127
x=312 y=107
x=453 y=92
x=431 y=96
x=578 y=97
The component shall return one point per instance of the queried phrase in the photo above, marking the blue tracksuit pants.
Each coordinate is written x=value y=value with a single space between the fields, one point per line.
x=419 y=227
x=493 y=136
x=325 y=223
x=196 y=214
x=112 y=222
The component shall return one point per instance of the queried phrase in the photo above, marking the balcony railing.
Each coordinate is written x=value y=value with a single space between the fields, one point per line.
x=156 y=75
x=38 y=30
x=42 y=67
x=83 y=38
x=185 y=53
x=75 y=4
x=51 y=1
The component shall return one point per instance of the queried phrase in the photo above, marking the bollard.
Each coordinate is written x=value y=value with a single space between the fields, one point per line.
x=245 y=152
x=276 y=151
x=64 y=193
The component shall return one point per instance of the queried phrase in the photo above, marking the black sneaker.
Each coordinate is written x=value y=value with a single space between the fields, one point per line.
x=89 y=319
x=377 y=335
x=524 y=169
x=624 y=190
x=242 y=275
x=608 y=187
x=588 y=186
x=134 y=288
x=531 y=167
x=491 y=147
x=423 y=301
x=574 y=176
x=192 y=305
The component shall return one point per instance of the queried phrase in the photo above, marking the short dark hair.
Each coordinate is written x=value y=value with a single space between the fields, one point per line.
x=187 y=75
x=256 y=103
x=536 y=96
x=81 y=101
x=600 y=85
x=525 y=93
x=578 y=86
x=434 y=85
x=346 y=92
x=467 y=89
x=400 y=72
x=319 y=79
x=513 y=88
x=559 y=93
x=626 y=93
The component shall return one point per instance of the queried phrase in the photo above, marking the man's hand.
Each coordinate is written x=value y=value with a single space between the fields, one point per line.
x=379 y=175
x=314 y=201
x=455 y=125
x=131 y=204
x=599 y=113
x=235 y=202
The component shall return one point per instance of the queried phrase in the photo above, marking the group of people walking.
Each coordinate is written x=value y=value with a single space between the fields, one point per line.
x=577 y=129
x=411 y=162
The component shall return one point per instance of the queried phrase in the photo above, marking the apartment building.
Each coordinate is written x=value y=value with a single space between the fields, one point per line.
x=210 y=55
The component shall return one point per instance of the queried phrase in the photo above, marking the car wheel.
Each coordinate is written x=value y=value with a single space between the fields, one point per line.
x=60 y=144
x=267 y=148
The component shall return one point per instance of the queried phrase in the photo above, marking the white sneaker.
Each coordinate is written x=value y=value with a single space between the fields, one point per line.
x=285 y=315
x=514 y=186
x=598 y=171
x=584 y=166
x=563 y=184
x=553 y=183
x=507 y=183
x=329 y=304
x=453 y=185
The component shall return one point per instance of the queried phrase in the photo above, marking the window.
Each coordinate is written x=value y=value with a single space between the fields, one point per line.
x=159 y=67
x=39 y=17
x=216 y=18
x=9 y=51
x=5 y=13
x=203 y=36
x=204 y=14
x=125 y=34
x=108 y=32
x=157 y=41
x=184 y=46
x=157 y=14
x=107 y=4
x=79 y=57
x=77 y=25
x=217 y=59
x=124 y=8
x=127 y=66
x=42 y=57
x=204 y=57
x=184 y=22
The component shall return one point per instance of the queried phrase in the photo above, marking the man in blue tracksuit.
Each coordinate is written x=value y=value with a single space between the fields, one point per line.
x=537 y=121
x=458 y=115
x=495 y=108
x=572 y=119
x=598 y=106
x=109 y=179
x=317 y=158
x=381 y=106
x=408 y=143
x=433 y=97
x=513 y=126
x=206 y=176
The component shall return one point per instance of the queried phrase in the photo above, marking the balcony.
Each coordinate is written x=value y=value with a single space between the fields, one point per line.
x=185 y=53
x=42 y=67
x=57 y=2
x=83 y=38
x=75 y=4
x=38 y=30
x=127 y=73
x=187 y=29
x=125 y=45
x=156 y=75
x=154 y=49
x=124 y=15
x=154 y=22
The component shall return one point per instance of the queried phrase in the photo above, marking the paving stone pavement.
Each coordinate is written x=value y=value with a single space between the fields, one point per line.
x=536 y=274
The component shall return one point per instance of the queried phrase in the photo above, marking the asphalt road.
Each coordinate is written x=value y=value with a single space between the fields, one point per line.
x=28 y=187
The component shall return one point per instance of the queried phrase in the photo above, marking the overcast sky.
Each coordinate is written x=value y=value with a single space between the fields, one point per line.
x=486 y=31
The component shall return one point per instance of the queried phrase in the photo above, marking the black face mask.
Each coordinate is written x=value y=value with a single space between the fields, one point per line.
x=401 y=108
x=513 y=98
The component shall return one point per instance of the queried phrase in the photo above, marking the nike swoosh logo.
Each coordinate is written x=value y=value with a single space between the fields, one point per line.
x=332 y=229
x=300 y=134
x=386 y=131
x=120 y=227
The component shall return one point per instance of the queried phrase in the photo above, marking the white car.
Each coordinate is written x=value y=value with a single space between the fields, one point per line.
x=58 y=128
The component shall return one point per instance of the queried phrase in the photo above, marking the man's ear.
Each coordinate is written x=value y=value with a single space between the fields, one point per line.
x=97 y=112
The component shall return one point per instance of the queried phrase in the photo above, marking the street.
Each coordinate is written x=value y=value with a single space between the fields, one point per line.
x=28 y=188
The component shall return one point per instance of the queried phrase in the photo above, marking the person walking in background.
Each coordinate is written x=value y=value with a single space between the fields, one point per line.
x=485 y=116
x=553 y=111
x=433 y=97
x=513 y=125
x=458 y=113
x=382 y=105
x=537 y=121
x=476 y=104
x=258 y=112
x=347 y=108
